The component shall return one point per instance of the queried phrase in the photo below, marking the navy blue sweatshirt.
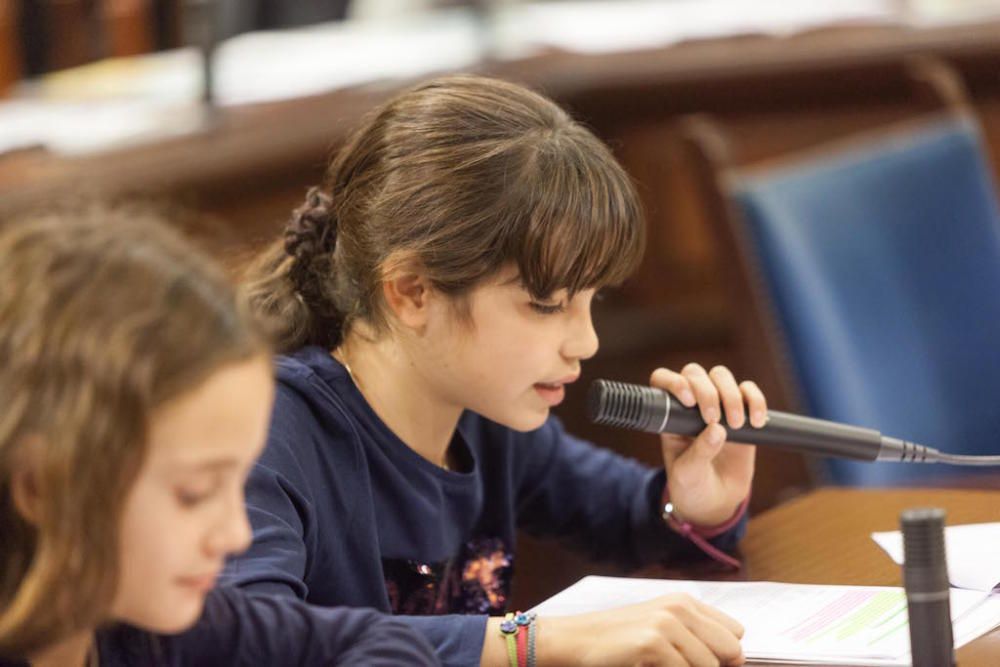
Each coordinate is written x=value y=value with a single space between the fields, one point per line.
x=345 y=513
x=242 y=628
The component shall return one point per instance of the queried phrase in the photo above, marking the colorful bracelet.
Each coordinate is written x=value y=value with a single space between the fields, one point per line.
x=508 y=629
x=518 y=630
x=522 y=646
x=531 y=645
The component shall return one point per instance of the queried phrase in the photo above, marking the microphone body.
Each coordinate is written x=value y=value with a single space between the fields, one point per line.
x=656 y=411
x=925 y=579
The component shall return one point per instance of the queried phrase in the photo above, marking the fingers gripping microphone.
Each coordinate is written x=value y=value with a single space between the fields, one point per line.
x=655 y=411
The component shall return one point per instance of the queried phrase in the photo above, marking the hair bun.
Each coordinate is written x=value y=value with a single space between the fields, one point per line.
x=312 y=228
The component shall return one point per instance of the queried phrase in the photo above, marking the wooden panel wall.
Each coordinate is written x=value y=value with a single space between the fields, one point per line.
x=10 y=55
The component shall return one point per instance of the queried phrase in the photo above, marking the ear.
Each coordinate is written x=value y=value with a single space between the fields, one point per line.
x=407 y=293
x=25 y=490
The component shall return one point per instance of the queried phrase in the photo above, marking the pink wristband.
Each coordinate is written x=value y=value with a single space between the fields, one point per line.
x=701 y=534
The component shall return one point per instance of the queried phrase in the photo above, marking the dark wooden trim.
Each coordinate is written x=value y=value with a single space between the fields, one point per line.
x=127 y=26
x=10 y=55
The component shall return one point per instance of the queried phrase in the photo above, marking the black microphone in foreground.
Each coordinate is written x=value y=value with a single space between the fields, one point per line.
x=655 y=411
x=925 y=579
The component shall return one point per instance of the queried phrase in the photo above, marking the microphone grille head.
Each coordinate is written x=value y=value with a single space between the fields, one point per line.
x=625 y=405
x=924 y=563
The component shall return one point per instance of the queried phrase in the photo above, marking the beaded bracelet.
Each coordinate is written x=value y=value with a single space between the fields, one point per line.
x=518 y=629
x=531 y=644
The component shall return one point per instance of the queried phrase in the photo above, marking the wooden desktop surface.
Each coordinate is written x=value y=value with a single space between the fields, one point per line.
x=825 y=538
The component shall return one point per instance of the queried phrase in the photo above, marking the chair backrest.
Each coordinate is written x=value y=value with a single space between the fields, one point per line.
x=882 y=262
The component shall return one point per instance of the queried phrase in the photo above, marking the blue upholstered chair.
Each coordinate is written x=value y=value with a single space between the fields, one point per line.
x=881 y=262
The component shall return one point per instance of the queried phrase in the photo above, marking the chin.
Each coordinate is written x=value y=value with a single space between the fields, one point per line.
x=526 y=422
x=172 y=620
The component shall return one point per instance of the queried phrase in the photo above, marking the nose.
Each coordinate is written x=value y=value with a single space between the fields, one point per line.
x=233 y=533
x=581 y=342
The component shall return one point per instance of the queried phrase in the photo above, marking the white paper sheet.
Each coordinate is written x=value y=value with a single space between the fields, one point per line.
x=589 y=26
x=795 y=623
x=91 y=126
x=282 y=64
x=972 y=550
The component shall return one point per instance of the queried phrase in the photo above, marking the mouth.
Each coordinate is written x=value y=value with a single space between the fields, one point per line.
x=566 y=379
x=201 y=583
x=554 y=392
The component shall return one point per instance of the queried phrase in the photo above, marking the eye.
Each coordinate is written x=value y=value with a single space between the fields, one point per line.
x=547 y=308
x=194 y=497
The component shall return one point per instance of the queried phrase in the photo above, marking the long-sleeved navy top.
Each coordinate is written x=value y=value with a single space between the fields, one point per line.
x=241 y=628
x=345 y=513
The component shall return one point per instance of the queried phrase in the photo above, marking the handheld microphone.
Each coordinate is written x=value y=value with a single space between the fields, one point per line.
x=925 y=579
x=655 y=411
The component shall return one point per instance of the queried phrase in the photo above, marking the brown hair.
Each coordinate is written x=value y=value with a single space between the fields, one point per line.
x=463 y=175
x=105 y=316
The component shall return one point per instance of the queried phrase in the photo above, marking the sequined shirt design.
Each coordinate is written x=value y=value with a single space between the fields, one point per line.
x=475 y=581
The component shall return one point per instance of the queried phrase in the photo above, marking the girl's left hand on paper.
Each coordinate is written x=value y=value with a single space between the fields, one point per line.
x=708 y=477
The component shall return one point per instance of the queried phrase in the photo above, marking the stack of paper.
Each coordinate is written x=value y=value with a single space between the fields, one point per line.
x=795 y=623
x=972 y=551
x=123 y=101
x=595 y=26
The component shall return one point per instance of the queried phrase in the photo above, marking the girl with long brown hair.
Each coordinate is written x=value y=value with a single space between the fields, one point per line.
x=432 y=299
x=135 y=398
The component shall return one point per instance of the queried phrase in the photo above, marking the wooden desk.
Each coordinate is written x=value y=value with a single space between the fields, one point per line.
x=824 y=538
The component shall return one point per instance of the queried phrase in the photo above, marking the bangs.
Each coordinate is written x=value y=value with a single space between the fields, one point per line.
x=584 y=228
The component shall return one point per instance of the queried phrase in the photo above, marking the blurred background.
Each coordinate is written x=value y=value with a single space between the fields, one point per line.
x=227 y=110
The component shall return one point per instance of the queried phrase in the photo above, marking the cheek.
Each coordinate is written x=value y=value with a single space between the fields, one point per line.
x=522 y=351
x=501 y=371
x=492 y=356
x=496 y=359
x=156 y=544
x=153 y=524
